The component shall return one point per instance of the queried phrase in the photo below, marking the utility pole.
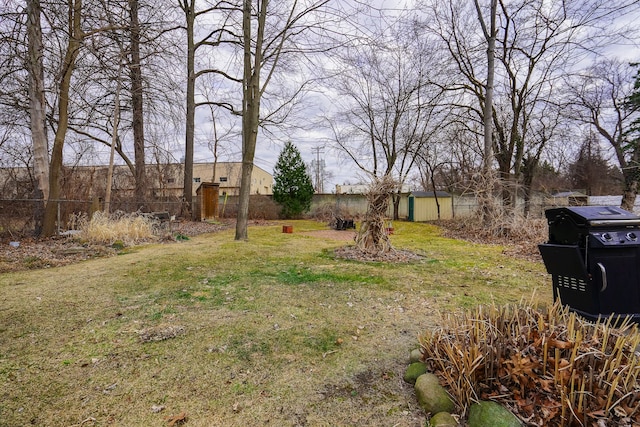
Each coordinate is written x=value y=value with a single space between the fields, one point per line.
x=319 y=169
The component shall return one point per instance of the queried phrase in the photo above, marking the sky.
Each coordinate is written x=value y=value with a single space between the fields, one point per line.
x=312 y=140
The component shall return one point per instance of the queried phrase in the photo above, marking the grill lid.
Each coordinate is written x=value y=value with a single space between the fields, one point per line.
x=596 y=216
x=572 y=225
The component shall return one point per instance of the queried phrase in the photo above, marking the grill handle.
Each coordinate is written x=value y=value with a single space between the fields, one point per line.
x=604 y=276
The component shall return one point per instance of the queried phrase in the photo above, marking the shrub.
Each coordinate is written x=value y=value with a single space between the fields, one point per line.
x=551 y=367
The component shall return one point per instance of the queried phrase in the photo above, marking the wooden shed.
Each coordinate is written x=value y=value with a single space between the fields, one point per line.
x=430 y=206
x=207 y=201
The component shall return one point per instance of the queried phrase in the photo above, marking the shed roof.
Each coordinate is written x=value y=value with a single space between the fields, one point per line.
x=420 y=194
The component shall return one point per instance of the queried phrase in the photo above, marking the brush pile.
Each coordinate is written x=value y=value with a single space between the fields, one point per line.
x=549 y=367
x=372 y=238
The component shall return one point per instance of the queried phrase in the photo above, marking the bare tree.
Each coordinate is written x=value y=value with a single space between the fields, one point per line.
x=489 y=32
x=37 y=105
x=197 y=44
x=535 y=44
x=72 y=49
x=389 y=106
x=137 y=92
x=278 y=34
x=598 y=99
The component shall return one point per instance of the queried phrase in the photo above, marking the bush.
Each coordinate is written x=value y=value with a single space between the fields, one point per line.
x=550 y=367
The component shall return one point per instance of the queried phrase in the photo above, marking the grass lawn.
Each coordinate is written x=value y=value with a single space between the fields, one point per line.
x=275 y=331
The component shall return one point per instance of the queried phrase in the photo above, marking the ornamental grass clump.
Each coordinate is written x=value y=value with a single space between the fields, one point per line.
x=117 y=227
x=550 y=367
x=372 y=238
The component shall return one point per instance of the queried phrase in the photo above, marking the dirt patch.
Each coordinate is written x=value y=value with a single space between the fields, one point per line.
x=341 y=235
x=351 y=252
x=394 y=255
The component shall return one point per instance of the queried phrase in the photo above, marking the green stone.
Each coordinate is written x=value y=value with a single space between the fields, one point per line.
x=414 y=371
x=486 y=413
x=432 y=397
x=442 y=419
x=415 y=356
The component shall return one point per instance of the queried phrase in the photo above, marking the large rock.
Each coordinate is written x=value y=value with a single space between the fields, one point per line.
x=432 y=397
x=486 y=413
x=442 y=419
x=414 y=371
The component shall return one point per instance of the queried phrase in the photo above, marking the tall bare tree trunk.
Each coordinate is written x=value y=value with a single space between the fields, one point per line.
x=37 y=110
x=114 y=140
x=190 y=14
x=68 y=66
x=250 y=110
x=135 y=71
x=490 y=36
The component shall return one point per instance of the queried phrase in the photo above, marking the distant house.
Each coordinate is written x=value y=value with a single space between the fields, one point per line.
x=430 y=206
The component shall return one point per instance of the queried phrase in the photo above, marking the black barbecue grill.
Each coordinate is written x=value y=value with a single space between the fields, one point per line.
x=593 y=255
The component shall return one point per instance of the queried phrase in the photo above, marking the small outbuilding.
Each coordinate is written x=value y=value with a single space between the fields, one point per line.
x=206 y=201
x=430 y=206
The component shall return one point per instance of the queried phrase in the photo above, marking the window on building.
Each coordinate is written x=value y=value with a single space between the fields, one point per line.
x=223 y=179
x=171 y=180
x=196 y=179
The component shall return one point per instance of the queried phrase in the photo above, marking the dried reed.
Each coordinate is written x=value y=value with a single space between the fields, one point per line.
x=549 y=366
x=372 y=238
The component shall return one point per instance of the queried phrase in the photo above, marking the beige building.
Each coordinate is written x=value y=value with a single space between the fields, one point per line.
x=228 y=175
x=165 y=180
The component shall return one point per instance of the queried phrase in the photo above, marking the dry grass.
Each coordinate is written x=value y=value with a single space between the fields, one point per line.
x=275 y=331
x=520 y=236
x=118 y=227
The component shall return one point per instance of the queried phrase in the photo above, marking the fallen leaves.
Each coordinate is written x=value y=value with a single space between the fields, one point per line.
x=176 y=420
x=160 y=333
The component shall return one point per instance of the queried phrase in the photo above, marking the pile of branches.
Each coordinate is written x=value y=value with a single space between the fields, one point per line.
x=549 y=366
x=372 y=238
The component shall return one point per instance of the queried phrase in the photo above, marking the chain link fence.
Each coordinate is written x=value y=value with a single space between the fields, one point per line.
x=19 y=217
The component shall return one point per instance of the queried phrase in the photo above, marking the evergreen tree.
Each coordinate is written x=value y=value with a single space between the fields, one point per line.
x=631 y=147
x=292 y=188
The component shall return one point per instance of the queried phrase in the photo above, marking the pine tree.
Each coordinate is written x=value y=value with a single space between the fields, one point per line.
x=292 y=188
x=631 y=170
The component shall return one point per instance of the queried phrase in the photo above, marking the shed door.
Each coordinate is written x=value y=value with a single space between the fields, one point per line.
x=411 y=207
x=210 y=202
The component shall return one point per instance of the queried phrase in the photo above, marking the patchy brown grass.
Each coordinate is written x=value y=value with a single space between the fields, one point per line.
x=274 y=331
x=519 y=236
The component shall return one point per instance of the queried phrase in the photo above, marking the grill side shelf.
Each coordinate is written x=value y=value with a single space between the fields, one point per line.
x=564 y=260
